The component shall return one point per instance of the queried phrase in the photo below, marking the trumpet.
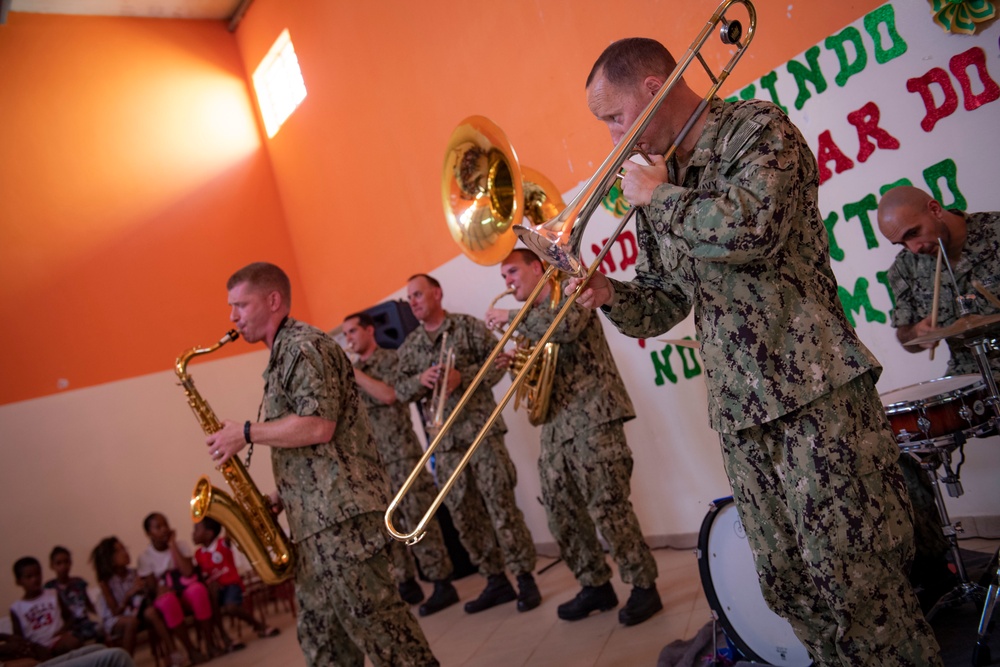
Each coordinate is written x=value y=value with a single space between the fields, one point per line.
x=439 y=396
x=558 y=242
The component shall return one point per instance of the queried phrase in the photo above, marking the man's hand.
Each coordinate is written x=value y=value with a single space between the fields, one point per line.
x=640 y=180
x=504 y=360
x=276 y=505
x=922 y=328
x=225 y=443
x=496 y=318
x=597 y=293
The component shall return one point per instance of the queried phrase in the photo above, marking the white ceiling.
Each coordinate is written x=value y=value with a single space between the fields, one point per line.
x=167 y=9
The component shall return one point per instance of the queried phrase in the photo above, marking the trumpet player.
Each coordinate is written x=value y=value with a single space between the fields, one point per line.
x=490 y=525
x=730 y=228
x=330 y=480
x=399 y=448
x=585 y=464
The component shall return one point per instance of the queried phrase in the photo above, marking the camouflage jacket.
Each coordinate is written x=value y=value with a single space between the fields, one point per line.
x=587 y=390
x=911 y=277
x=741 y=241
x=472 y=342
x=324 y=484
x=391 y=424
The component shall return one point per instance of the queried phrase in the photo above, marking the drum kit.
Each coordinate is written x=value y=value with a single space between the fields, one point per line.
x=931 y=421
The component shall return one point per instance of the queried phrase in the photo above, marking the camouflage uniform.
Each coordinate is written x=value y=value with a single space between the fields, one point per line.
x=400 y=452
x=585 y=464
x=911 y=277
x=806 y=442
x=483 y=495
x=334 y=494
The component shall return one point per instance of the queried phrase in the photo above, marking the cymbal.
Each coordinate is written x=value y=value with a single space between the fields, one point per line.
x=964 y=328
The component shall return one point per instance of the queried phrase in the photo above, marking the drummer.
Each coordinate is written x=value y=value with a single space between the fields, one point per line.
x=910 y=217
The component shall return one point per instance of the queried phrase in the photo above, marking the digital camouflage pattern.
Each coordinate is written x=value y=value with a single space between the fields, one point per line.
x=839 y=504
x=472 y=342
x=911 y=278
x=321 y=485
x=741 y=241
x=400 y=451
x=481 y=502
x=347 y=602
x=334 y=494
x=585 y=464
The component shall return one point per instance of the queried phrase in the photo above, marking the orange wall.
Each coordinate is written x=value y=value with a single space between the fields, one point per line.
x=358 y=164
x=132 y=183
x=133 y=177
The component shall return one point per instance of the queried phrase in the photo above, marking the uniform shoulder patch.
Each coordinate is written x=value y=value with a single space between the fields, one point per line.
x=741 y=140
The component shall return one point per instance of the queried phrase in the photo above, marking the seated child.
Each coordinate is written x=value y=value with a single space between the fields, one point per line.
x=168 y=569
x=39 y=616
x=215 y=558
x=72 y=593
x=126 y=607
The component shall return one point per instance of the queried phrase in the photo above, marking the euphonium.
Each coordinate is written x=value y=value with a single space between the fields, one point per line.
x=535 y=390
x=247 y=513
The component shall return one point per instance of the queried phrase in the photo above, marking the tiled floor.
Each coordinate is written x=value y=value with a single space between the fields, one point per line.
x=503 y=637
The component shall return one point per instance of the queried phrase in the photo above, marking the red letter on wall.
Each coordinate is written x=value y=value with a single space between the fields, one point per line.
x=922 y=85
x=866 y=120
x=828 y=150
x=959 y=66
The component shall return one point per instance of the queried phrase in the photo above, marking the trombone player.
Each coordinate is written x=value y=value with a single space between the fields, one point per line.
x=490 y=525
x=730 y=228
x=585 y=464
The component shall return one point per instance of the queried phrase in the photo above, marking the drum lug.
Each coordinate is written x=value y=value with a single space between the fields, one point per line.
x=965 y=413
x=924 y=424
x=904 y=435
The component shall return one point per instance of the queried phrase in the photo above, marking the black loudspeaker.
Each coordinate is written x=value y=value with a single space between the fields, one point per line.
x=393 y=321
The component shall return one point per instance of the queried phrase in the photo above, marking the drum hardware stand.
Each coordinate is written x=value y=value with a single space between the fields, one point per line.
x=980 y=348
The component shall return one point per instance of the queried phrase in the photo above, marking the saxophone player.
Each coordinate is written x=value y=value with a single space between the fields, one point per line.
x=330 y=481
x=585 y=463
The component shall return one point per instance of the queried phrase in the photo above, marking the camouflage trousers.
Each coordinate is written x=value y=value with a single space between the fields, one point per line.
x=490 y=525
x=828 y=520
x=348 y=603
x=586 y=485
x=431 y=550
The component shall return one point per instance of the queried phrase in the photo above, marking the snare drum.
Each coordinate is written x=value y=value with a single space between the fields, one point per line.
x=729 y=578
x=932 y=410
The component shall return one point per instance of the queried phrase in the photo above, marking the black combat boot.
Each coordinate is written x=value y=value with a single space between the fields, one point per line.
x=411 y=592
x=498 y=590
x=528 y=595
x=642 y=603
x=444 y=595
x=590 y=598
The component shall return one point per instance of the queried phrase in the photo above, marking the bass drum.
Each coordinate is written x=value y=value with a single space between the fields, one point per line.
x=729 y=578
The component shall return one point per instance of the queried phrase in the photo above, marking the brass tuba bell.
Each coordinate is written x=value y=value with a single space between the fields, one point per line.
x=485 y=192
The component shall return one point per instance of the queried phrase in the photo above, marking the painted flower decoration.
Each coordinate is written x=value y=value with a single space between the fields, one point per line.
x=961 y=16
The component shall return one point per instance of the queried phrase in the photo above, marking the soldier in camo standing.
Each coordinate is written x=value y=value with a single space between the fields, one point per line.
x=731 y=229
x=490 y=525
x=400 y=450
x=585 y=464
x=330 y=480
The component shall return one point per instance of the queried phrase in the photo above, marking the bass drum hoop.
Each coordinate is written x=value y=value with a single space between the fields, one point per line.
x=792 y=647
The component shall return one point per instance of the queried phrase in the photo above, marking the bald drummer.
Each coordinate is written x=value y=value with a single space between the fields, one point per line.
x=910 y=217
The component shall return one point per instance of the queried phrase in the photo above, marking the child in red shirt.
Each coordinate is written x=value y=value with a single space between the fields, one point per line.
x=218 y=567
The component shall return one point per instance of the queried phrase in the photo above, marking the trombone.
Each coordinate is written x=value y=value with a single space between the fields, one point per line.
x=557 y=242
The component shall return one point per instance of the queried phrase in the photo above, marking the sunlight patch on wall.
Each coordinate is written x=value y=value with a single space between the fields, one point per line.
x=278 y=83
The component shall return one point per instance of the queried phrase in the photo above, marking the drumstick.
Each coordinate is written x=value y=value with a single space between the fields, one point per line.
x=989 y=296
x=937 y=295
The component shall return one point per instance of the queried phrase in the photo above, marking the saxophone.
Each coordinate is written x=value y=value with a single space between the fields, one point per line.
x=247 y=513
x=535 y=390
